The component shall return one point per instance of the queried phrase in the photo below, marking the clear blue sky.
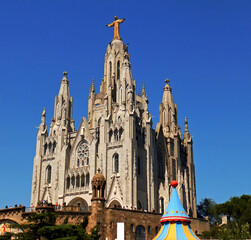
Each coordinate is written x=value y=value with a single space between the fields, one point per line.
x=202 y=46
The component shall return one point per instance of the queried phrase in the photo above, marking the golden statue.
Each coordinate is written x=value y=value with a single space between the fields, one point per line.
x=116 y=27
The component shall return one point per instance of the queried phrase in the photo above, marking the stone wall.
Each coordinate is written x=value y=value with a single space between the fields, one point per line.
x=107 y=218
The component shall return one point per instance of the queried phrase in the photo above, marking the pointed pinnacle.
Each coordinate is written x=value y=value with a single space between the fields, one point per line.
x=143 y=88
x=139 y=93
x=186 y=124
x=93 y=86
x=65 y=76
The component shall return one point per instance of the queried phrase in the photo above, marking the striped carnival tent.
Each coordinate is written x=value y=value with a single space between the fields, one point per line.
x=175 y=220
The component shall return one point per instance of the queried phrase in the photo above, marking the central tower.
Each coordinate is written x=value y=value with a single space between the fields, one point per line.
x=120 y=119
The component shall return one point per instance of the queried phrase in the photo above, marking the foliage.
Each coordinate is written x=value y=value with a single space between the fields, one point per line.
x=232 y=231
x=43 y=225
x=238 y=212
x=238 y=209
x=6 y=236
x=207 y=208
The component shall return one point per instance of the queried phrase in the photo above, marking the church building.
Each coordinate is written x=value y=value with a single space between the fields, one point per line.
x=117 y=137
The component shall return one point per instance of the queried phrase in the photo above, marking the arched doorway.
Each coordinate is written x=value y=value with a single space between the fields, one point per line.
x=115 y=204
x=78 y=204
x=140 y=233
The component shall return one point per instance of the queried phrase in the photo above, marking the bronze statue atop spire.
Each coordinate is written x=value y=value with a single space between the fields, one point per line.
x=116 y=23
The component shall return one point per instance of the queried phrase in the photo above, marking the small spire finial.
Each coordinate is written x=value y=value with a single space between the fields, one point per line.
x=43 y=116
x=65 y=79
x=93 y=85
x=186 y=124
x=139 y=93
x=98 y=171
x=143 y=88
x=167 y=80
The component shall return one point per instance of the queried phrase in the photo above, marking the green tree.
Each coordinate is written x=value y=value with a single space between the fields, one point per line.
x=238 y=211
x=232 y=231
x=42 y=226
x=207 y=208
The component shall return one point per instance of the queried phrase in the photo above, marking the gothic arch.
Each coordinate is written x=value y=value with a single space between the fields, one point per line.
x=78 y=202
x=48 y=174
x=118 y=69
x=161 y=163
x=114 y=203
x=115 y=159
x=68 y=182
x=140 y=232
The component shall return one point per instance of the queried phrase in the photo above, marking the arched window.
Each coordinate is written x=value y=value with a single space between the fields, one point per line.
x=73 y=181
x=110 y=135
x=98 y=130
x=54 y=147
x=110 y=69
x=77 y=181
x=50 y=147
x=115 y=135
x=48 y=174
x=120 y=134
x=87 y=179
x=140 y=233
x=78 y=162
x=45 y=148
x=161 y=164
x=161 y=205
x=139 y=205
x=83 y=154
x=118 y=70
x=82 y=180
x=132 y=226
x=139 y=166
x=116 y=163
x=68 y=182
x=121 y=95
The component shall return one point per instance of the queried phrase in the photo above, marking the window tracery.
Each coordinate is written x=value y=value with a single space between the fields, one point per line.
x=83 y=154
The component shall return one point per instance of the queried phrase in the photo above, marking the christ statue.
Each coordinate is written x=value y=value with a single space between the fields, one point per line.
x=116 y=23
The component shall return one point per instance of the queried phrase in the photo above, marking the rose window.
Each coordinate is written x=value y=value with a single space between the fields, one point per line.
x=83 y=155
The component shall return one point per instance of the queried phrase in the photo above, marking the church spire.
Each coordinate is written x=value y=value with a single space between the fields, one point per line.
x=63 y=105
x=168 y=110
x=167 y=94
x=186 y=135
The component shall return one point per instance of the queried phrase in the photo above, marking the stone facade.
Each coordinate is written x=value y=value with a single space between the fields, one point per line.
x=138 y=162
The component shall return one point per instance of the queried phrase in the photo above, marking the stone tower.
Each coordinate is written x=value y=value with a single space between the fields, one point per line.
x=137 y=161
